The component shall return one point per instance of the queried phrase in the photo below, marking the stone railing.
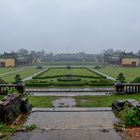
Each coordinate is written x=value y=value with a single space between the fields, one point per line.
x=126 y=88
x=4 y=88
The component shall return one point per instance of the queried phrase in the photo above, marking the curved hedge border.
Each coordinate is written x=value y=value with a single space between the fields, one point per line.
x=57 y=76
x=69 y=79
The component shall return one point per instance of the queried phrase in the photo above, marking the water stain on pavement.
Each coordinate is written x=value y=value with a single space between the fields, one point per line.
x=64 y=102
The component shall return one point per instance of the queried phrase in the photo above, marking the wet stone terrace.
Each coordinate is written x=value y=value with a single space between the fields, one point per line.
x=71 y=125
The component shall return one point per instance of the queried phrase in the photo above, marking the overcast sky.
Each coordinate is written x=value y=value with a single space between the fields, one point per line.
x=69 y=25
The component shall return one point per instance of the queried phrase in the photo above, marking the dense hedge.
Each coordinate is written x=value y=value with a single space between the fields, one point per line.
x=57 y=76
x=69 y=79
x=68 y=83
x=136 y=80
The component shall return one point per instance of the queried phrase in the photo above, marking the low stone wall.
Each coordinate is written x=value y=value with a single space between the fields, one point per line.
x=120 y=105
x=12 y=106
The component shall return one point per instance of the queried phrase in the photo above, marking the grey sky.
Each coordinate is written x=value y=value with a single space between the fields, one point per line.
x=69 y=25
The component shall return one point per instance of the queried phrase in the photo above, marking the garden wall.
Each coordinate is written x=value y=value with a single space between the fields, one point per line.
x=12 y=106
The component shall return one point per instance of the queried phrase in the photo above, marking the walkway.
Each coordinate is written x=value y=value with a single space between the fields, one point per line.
x=71 y=126
x=30 y=77
x=11 y=72
x=107 y=76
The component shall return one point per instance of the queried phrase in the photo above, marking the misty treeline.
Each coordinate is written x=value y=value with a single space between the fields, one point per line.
x=80 y=56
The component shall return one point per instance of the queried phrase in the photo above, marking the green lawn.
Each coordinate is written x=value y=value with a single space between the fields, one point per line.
x=26 y=72
x=42 y=101
x=130 y=73
x=64 y=71
x=83 y=101
x=5 y=70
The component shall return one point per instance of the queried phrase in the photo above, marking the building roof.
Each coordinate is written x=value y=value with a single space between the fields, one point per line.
x=129 y=55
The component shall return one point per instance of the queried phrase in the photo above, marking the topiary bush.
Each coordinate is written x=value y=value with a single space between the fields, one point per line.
x=97 y=67
x=39 y=67
x=121 y=78
x=18 y=79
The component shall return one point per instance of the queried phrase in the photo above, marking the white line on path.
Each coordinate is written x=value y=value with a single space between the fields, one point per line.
x=11 y=72
x=30 y=77
x=107 y=76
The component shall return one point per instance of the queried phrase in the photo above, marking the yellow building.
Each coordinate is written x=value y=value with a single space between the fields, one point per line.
x=7 y=62
x=131 y=62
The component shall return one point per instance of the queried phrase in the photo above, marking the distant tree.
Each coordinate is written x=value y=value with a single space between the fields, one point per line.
x=23 y=51
x=18 y=79
x=121 y=78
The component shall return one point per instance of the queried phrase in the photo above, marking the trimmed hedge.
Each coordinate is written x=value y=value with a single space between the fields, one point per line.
x=136 y=80
x=69 y=79
x=57 y=76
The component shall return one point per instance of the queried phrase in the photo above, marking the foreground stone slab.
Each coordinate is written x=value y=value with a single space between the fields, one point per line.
x=71 y=126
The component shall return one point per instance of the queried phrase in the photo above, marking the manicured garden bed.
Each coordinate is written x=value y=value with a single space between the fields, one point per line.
x=69 y=77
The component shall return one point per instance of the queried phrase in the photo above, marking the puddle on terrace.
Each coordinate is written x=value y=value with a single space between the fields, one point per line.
x=64 y=102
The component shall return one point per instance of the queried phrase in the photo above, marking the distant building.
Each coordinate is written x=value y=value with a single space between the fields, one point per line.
x=36 y=60
x=113 y=59
x=130 y=60
x=23 y=60
x=7 y=62
x=15 y=59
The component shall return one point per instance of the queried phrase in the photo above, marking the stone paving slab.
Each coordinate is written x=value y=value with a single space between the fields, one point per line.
x=72 y=120
x=71 y=126
x=84 y=134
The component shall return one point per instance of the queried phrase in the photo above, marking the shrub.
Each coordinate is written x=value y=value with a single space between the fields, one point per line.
x=6 y=129
x=131 y=117
x=39 y=67
x=136 y=80
x=18 y=79
x=30 y=127
x=97 y=67
x=121 y=78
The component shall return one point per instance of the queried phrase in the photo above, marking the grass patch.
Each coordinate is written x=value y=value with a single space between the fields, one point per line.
x=24 y=73
x=42 y=101
x=5 y=70
x=30 y=127
x=6 y=129
x=64 y=71
x=83 y=101
x=129 y=72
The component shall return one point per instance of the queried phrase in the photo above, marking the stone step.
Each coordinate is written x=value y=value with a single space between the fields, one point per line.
x=74 y=109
